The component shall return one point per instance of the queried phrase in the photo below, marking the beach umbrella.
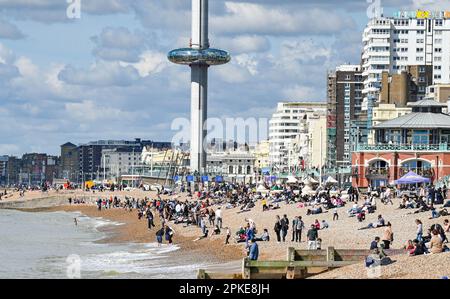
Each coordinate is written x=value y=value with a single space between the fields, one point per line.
x=291 y=180
x=412 y=178
x=331 y=180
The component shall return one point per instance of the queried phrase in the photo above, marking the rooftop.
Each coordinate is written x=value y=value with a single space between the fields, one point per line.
x=418 y=120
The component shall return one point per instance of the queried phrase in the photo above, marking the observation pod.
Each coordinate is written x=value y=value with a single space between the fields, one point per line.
x=189 y=56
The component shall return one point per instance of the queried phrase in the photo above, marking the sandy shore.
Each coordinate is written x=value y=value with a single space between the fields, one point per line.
x=342 y=233
x=135 y=231
x=434 y=266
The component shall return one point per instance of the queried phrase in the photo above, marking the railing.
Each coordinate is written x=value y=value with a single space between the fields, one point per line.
x=402 y=147
x=425 y=172
x=375 y=171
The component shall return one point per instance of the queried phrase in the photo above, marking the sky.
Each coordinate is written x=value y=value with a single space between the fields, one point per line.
x=106 y=75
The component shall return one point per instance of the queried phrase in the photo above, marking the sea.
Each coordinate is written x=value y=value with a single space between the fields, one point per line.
x=50 y=245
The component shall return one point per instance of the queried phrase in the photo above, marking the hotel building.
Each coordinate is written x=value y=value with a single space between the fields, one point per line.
x=392 y=44
x=418 y=141
x=285 y=127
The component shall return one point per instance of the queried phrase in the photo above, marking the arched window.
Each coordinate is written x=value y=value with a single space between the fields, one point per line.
x=240 y=170
x=230 y=169
x=249 y=169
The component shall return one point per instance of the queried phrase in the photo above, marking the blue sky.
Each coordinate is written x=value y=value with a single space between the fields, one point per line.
x=106 y=76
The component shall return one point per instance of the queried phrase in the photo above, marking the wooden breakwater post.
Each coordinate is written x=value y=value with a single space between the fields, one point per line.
x=299 y=263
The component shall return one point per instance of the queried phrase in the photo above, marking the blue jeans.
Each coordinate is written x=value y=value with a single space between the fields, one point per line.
x=419 y=237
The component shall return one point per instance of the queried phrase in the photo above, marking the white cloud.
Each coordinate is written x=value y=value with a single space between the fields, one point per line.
x=260 y=19
x=100 y=74
x=244 y=44
x=150 y=63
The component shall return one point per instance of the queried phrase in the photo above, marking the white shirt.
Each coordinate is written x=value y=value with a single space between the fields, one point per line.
x=219 y=213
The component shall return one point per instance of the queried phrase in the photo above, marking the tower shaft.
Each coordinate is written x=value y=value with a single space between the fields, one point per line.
x=199 y=87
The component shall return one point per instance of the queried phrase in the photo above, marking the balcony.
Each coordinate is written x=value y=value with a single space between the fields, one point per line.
x=425 y=172
x=377 y=172
x=402 y=147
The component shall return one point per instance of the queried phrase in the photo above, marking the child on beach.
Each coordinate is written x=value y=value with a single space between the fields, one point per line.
x=227 y=240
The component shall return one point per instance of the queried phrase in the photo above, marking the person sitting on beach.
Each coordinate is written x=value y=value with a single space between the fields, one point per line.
x=361 y=216
x=374 y=243
x=435 y=245
x=377 y=258
x=240 y=235
x=409 y=246
x=418 y=248
x=314 y=211
x=324 y=224
x=317 y=224
x=380 y=222
x=264 y=237
x=446 y=226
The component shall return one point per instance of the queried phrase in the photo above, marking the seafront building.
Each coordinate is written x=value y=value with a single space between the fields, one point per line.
x=418 y=141
x=392 y=44
x=285 y=127
x=346 y=122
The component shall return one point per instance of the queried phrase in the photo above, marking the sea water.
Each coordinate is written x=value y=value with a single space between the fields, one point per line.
x=50 y=245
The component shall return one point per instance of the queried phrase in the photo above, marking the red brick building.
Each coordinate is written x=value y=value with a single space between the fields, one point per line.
x=419 y=142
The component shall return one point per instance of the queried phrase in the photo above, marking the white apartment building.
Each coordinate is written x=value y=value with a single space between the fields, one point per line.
x=286 y=128
x=409 y=38
x=119 y=161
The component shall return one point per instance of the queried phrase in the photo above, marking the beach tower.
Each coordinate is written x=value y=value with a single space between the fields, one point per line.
x=199 y=56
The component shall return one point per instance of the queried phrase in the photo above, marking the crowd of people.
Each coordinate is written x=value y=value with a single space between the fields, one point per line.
x=204 y=208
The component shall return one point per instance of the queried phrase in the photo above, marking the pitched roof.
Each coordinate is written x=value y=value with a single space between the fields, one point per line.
x=426 y=103
x=418 y=120
x=68 y=144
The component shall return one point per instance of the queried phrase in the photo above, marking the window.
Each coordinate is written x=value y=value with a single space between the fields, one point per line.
x=438 y=40
x=420 y=40
x=421 y=79
x=420 y=22
x=437 y=58
x=437 y=67
x=419 y=50
x=438 y=32
x=438 y=22
x=422 y=69
x=420 y=31
x=437 y=76
x=438 y=50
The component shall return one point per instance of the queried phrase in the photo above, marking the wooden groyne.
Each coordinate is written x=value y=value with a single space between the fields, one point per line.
x=298 y=265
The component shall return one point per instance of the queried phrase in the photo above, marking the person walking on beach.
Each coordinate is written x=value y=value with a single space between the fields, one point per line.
x=277 y=229
x=294 y=228
x=227 y=240
x=299 y=229
x=284 y=227
x=254 y=251
x=150 y=219
x=159 y=236
x=169 y=234
x=312 y=236
x=335 y=214
x=219 y=217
